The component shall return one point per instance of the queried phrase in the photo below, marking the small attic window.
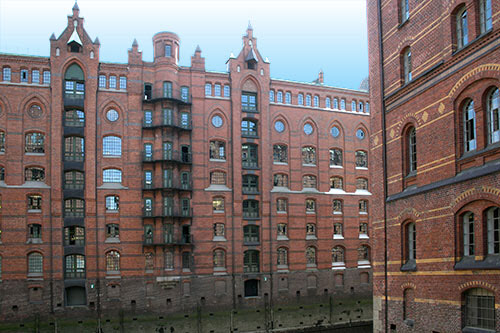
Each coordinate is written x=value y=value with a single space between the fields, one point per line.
x=251 y=64
x=74 y=47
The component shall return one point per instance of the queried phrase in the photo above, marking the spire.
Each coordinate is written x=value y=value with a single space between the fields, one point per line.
x=134 y=43
x=53 y=37
x=76 y=10
x=75 y=7
x=198 y=49
x=97 y=42
x=249 y=26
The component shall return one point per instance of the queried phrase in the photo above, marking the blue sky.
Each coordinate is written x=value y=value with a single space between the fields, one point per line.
x=299 y=37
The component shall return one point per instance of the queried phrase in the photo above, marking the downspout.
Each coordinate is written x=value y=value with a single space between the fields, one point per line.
x=98 y=280
x=384 y=159
x=233 y=278
x=51 y=243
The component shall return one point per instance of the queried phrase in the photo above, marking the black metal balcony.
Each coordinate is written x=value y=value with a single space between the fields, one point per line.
x=168 y=185
x=184 y=240
x=159 y=95
x=181 y=124
x=167 y=211
x=173 y=156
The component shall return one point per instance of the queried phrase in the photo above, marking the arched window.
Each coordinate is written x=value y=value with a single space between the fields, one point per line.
x=35 y=264
x=74 y=118
x=271 y=95
x=208 y=89
x=411 y=151
x=353 y=105
x=74 y=83
x=251 y=261
x=408 y=304
x=74 y=267
x=338 y=231
x=469 y=119
x=335 y=157
x=308 y=100
x=280 y=97
x=406 y=65
x=479 y=309
x=462 y=27
x=336 y=183
x=34 y=143
x=112 y=176
x=282 y=256
x=493 y=114
x=34 y=174
x=362 y=184
x=308 y=155
x=2 y=141
x=404 y=10
x=363 y=254
x=342 y=104
x=316 y=101
x=300 y=99
x=468 y=234
x=280 y=180
x=493 y=227
x=485 y=17
x=328 y=102
x=113 y=261
x=410 y=241
x=338 y=255
x=310 y=230
x=219 y=258
x=218 y=178
x=311 y=256
x=335 y=103
x=111 y=146
x=309 y=181
x=288 y=98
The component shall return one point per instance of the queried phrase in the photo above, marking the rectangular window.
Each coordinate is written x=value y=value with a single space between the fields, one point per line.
x=250 y=234
x=185 y=94
x=112 y=82
x=288 y=98
x=250 y=209
x=186 y=260
x=280 y=180
x=308 y=155
x=335 y=158
x=310 y=206
x=308 y=100
x=112 y=203
x=168 y=50
x=249 y=102
x=123 y=82
x=35 y=231
x=46 y=77
x=34 y=202
x=217 y=90
x=282 y=229
x=35 y=76
x=271 y=96
x=250 y=184
x=6 y=74
x=218 y=204
x=280 y=154
x=249 y=155
x=227 y=91
x=167 y=89
x=208 y=89
x=281 y=205
x=218 y=150
x=300 y=99
x=24 y=75
x=102 y=81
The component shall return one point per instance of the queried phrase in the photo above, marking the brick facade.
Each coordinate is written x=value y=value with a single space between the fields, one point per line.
x=434 y=277
x=151 y=199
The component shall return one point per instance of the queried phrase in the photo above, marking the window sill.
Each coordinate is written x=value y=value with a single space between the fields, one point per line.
x=282 y=238
x=402 y=24
x=35 y=276
x=338 y=237
x=337 y=213
x=34 y=154
x=251 y=243
x=311 y=237
x=108 y=211
x=363 y=236
x=280 y=163
x=217 y=160
x=336 y=167
x=491 y=261
x=338 y=265
x=474 y=153
x=244 y=167
x=114 y=240
x=34 y=210
x=468 y=329
x=218 y=212
x=308 y=164
x=34 y=241
x=361 y=168
x=111 y=156
x=219 y=239
x=409 y=266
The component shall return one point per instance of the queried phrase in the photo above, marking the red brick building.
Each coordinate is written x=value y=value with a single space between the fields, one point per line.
x=149 y=185
x=435 y=70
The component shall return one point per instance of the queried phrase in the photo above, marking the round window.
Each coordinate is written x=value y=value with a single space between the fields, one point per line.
x=308 y=129
x=335 y=131
x=217 y=121
x=112 y=115
x=35 y=111
x=279 y=126
x=360 y=134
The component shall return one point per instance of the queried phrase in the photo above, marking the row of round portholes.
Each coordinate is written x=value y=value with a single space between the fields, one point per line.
x=279 y=126
x=35 y=112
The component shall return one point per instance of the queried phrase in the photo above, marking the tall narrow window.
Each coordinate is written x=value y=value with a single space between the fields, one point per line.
x=336 y=103
x=185 y=94
x=405 y=10
x=168 y=50
x=361 y=159
x=227 y=91
x=328 y=103
x=485 y=17
x=282 y=257
x=353 y=106
x=316 y=101
x=219 y=259
x=311 y=256
x=342 y=104
x=308 y=100
x=2 y=141
x=411 y=242
x=469 y=116
x=300 y=99
x=123 y=82
x=412 y=150
x=493 y=114
x=280 y=97
x=407 y=66
x=208 y=89
x=217 y=90
x=46 y=77
x=6 y=74
x=468 y=234
x=288 y=98
x=113 y=261
x=102 y=81
x=167 y=89
x=35 y=264
x=493 y=226
x=462 y=28
x=35 y=76
x=112 y=82
x=251 y=261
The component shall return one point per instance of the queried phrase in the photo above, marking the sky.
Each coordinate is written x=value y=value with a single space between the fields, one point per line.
x=299 y=37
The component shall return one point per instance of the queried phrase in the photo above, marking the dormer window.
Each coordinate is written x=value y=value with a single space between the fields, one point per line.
x=74 y=47
x=168 y=50
x=251 y=64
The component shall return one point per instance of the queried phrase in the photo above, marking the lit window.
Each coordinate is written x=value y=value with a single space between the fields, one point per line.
x=361 y=159
x=112 y=82
x=208 y=89
x=280 y=180
x=308 y=155
x=281 y=205
x=102 y=81
x=309 y=181
x=112 y=203
x=493 y=113
x=310 y=206
x=34 y=174
x=35 y=76
x=111 y=146
x=218 y=150
x=123 y=82
x=218 y=204
x=336 y=157
x=217 y=90
x=113 y=261
x=112 y=176
x=34 y=143
x=468 y=234
x=218 y=178
x=6 y=74
x=280 y=154
x=479 y=310
x=462 y=28
x=469 y=126
x=35 y=264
